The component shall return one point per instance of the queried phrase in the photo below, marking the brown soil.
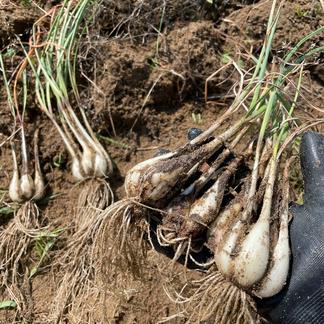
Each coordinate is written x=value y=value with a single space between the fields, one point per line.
x=149 y=90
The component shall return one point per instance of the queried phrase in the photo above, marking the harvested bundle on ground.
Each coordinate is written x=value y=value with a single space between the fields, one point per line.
x=26 y=188
x=53 y=59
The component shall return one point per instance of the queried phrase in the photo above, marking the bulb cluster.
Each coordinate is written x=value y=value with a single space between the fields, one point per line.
x=23 y=188
x=249 y=247
x=90 y=165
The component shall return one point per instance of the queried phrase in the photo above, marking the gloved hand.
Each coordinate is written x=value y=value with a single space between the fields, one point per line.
x=302 y=300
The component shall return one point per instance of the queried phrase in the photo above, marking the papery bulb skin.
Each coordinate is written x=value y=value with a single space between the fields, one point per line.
x=39 y=186
x=87 y=162
x=100 y=166
x=134 y=177
x=161 y=183
x=76 y=170
x=27 y=186
x=14 y=188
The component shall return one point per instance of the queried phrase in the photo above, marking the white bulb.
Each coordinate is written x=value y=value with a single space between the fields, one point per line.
x=223 y=255
x=87 y=162
x=14 y=188
x=277 y=275
x=27 y=186
x=100 y=168
x=134 y=175
x=39 y=186
x=252 y=260
x=76 y=170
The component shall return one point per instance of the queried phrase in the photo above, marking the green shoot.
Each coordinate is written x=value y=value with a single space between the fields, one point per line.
x=300 y=13
x=113 y=142
x=44 y=242
x=197 y=119
x=159 y=31
x=8 y=304
x=55 y=74
x=59 y=161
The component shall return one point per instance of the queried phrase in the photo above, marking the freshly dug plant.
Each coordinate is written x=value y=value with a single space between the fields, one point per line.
x=25 y=189
x=53 y=58
x=229 y=214
x=247 y=263
x=17 y=237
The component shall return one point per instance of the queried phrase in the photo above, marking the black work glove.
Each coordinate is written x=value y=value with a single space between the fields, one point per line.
x=302 y=300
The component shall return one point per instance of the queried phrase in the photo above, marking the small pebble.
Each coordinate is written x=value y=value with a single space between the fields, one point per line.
x=193 y=133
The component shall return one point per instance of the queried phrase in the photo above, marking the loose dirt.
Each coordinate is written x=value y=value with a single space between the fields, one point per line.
x=149 y=65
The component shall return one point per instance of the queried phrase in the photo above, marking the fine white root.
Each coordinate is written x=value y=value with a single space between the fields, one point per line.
x=16 y=241
x=120 y=243
x=216 y=300
x=80 y=266
x=18 y=236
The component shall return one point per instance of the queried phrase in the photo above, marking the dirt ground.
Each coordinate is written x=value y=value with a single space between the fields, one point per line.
x=149 y=61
